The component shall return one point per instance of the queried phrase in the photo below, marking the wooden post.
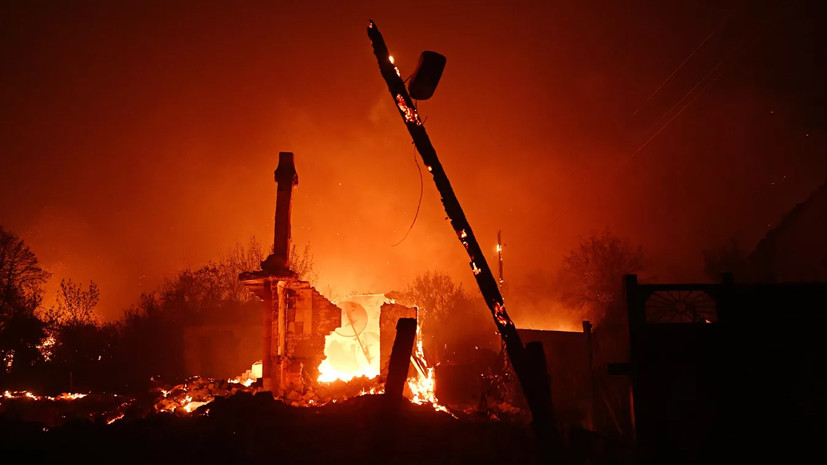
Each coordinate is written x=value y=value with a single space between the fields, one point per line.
x=637 y=326
x=587 y=331
x=400 y=358
x=542 y=414
x=538 y=399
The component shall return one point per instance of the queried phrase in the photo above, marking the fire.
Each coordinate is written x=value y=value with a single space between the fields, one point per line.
x=189 y=405
x=423 y=387
x=411 y=116
x=29 y=395
x=390 y=59
x=70 y=396
x=248 y=377
x=373 y=391
x=46 y=346
x=352 y=350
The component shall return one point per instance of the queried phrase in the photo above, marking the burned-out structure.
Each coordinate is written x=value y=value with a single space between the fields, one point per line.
x=794 y=249
x=295 y=317
x=299 y=325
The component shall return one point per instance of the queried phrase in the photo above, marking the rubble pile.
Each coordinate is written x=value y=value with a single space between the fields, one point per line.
x=195 y=392
x=193 y=396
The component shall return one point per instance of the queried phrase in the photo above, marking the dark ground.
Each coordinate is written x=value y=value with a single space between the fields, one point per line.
x=258 y=429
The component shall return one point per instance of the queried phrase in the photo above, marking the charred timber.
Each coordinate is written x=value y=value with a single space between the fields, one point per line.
x=400 y=358
x=526 y=372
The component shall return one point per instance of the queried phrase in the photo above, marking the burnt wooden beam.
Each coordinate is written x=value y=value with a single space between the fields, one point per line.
x=400 y=357
x=529 y=374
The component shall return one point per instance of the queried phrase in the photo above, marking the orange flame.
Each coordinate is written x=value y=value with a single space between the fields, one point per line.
x=352 y=350
x=423 y=387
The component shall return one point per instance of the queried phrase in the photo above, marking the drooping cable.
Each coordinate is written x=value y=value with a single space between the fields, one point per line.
x=419 y=203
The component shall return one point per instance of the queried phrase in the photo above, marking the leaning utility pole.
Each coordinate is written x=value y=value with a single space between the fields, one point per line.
x=533 y=378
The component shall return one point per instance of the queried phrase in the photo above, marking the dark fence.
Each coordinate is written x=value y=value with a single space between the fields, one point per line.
x=727 y=371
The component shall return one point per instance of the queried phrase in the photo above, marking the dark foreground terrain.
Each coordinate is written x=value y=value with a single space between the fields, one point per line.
x=246 y=428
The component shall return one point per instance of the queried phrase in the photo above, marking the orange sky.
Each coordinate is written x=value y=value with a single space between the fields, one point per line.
x=140 y=139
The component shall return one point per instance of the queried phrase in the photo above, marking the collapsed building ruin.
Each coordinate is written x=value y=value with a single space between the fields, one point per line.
x=299 y=324
x=296 y=318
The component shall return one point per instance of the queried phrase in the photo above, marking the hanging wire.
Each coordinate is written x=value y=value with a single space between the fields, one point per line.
x=684 y=102
x=690 y=95
x=419 y=203
x=684 y=62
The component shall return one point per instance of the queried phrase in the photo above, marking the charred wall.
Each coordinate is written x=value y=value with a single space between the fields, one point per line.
x=311 y=317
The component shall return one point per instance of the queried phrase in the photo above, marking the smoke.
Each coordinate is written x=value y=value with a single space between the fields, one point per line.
x=138 y=142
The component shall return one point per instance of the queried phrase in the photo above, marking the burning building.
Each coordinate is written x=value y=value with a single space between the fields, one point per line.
x=295 y=317
x=307 y=338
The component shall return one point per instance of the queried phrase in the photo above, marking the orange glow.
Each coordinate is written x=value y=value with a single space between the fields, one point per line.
x=352 y=350
x=550 y=324
x=552 y=152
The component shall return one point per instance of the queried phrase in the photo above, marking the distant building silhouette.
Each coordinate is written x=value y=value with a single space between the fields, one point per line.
x=795 y=249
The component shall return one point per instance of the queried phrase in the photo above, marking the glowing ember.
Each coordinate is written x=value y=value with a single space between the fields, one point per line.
x=499 y=314
x=29 y=395
x=475 y=268
x=411 y=116
x=46 y=346
x=8 y=360
x=182 y=399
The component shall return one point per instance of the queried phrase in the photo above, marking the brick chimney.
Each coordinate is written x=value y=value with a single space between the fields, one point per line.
x=286 y=178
